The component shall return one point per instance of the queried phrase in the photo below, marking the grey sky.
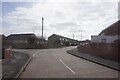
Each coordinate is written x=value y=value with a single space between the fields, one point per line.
x=63 y=17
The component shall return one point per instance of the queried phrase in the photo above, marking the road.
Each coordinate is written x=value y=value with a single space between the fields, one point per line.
x=56 y=63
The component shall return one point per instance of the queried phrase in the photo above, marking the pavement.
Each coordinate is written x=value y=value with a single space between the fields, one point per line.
x=0 y=69
x=57 y=63
x=12 y=67
x=102 y=61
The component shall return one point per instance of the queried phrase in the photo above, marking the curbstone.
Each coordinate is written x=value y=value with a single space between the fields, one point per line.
x=96 y=60
x=23 y=68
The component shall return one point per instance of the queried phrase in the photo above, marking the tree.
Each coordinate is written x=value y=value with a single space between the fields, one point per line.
x=31 y=40
x=66 y=43
x=40 y=37
x=42 y=40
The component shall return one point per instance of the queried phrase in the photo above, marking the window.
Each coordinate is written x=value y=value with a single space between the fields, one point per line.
x=60 y=39
x=25 y=41
x=21 y=41
x=15 y=41
x=37 y=42
x=66 y=40
x=103 y=41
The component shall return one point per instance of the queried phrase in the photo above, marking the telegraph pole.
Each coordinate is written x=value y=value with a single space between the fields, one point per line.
x=42 y=28
x=81 y=34
x=73 y=36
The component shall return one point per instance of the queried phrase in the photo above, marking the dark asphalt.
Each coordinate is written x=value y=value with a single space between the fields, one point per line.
x=12 y=66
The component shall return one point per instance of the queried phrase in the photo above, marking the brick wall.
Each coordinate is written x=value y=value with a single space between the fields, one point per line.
x=103 y=50
x=6 y=53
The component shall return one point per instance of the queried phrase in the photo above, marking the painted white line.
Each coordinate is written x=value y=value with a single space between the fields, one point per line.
x=67 y=67
x=33 y=55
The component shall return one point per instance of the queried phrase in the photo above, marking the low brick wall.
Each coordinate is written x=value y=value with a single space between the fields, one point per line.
x=6 y=53
x=28 y=46
x=108 y=51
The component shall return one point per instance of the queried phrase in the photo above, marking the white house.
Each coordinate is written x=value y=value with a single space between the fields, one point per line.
x=108 y=35
x=104 y=39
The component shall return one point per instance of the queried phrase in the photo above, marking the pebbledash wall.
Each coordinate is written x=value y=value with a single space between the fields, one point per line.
x=104 y=38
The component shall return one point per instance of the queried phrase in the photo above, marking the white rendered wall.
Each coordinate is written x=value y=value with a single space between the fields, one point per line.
x=109 y=39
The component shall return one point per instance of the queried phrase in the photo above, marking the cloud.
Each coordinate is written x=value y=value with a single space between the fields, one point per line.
x=119 y=10
x=62 y=26
x=42 y=1
x=63 y=17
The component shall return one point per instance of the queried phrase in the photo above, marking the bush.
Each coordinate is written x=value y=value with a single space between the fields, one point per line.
x=31 y=40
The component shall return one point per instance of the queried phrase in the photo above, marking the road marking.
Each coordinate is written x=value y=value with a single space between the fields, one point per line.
x=34 y=55
x=67 y=66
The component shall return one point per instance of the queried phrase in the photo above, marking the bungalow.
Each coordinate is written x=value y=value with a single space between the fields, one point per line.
x=19 y=38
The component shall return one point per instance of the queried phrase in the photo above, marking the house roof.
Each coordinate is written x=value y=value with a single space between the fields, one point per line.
x=2 y=36
x=20 y=36
x=112 y=29
x=61 y=37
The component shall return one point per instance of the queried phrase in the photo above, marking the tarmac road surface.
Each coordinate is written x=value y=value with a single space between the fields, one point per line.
x=57 y=63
